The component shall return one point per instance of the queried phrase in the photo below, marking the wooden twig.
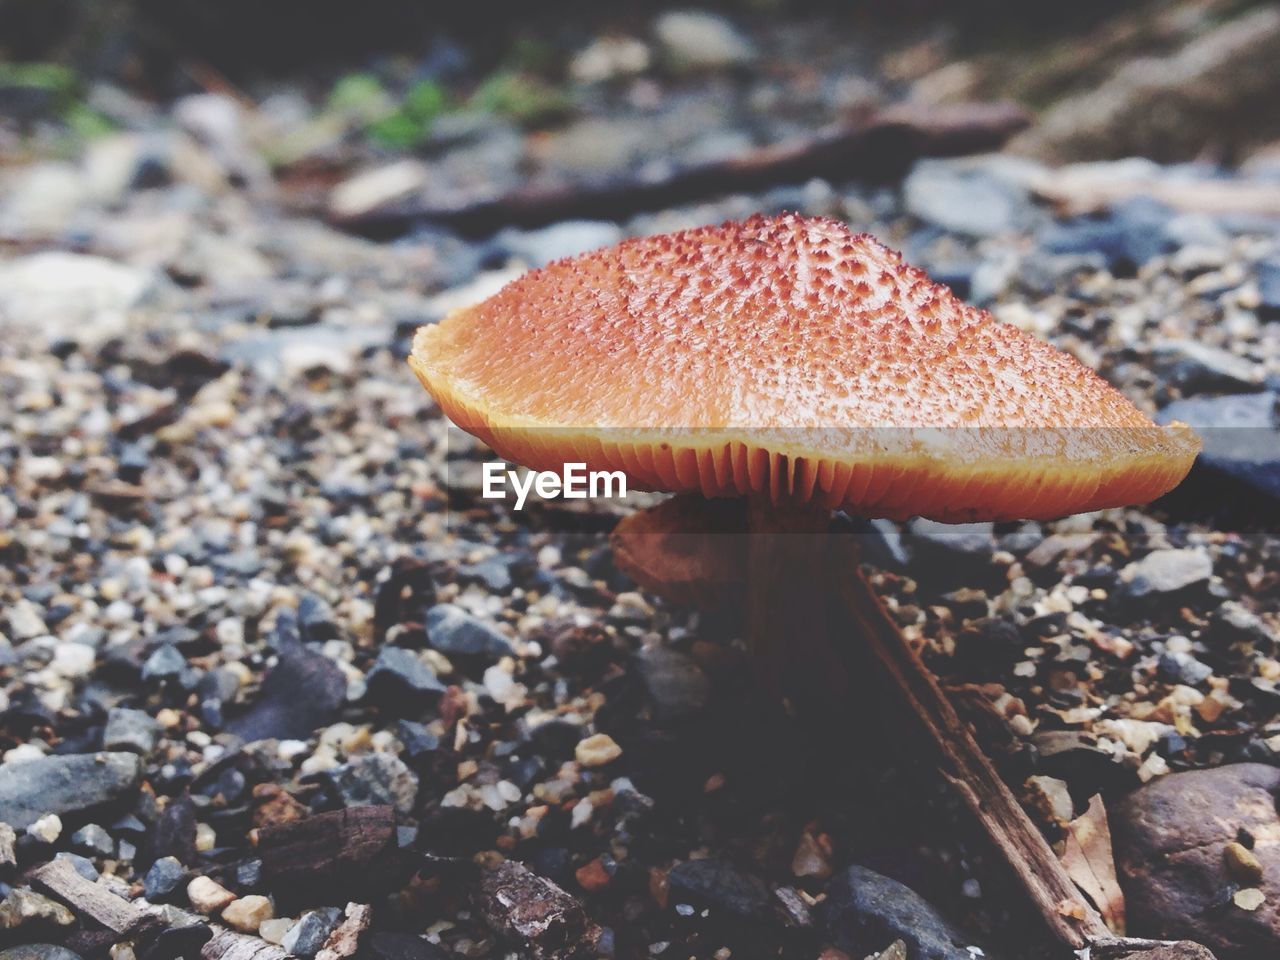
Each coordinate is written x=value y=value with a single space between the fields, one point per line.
x=1067 y=915
x=882 y=148
x=93 y=900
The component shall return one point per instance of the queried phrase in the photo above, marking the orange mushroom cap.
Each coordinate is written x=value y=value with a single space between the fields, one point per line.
x=791 y=357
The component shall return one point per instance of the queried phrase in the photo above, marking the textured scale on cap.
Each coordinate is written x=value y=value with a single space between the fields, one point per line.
x=792 y=357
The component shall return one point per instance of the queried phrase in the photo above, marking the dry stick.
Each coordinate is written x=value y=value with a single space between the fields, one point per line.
x=882 y=146
x=970 y=773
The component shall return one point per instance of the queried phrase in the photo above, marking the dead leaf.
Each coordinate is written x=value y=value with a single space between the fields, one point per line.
x=1089 y=863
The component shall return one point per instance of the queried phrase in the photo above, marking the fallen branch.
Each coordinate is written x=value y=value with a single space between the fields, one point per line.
x=1065 y=913
x=882 y=148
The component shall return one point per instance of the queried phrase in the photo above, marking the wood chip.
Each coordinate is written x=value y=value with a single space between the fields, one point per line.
x=93 y=900
x=535 y=913
x=1088 y=861
x=226 y=945
x=345 y=939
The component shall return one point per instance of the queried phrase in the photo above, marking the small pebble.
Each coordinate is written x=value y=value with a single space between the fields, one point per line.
x=597 y=750
x=207 y=896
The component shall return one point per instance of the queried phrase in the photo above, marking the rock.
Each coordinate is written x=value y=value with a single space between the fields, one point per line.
x=165 y=663
x=720 y=886
x=24 y=908
x=1171 y=842
x=81 y=865
x=301 y=693
x=694 y=40
x=1241 y=437
x=607 y=58
x=946 y=555
x=25 y=622
x=676 y=684
x=308 y=935
x=1164 y=572
x=164 y=877
x=69 y=783
x=46 y=829
x=453 y=631
x=94 y=841
x=1242 y=864
x=345 y=939
x=1182 y=668
x=131 y=730
x=207 y=896
x=565 y=239
x=1194 y=367
x=370 y=190
x=38 y=951
x=373 y=779
x=1169 y=107
x=247 y=913
x=1268 y=273
x=43 y=201
x=965 y=197
x=1132 y=234
x=274 y=930
x=596 y=750
x=402 y=683
x=71 y=296
x=865 y=910
x=1233 y=623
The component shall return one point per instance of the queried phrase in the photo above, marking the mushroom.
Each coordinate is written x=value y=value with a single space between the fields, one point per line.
x=805 y=368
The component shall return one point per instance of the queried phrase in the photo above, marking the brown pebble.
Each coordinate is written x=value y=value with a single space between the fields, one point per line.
x=593 y=876
x=1242 y=864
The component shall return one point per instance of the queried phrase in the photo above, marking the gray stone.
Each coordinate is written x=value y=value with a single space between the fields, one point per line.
x=38 y=951
x=1268 y=272
x=372 y=779
x=82 y=865
x=400 y=681
x=308 y=935
x=1195 y=367
x=676 y=684
x=1241 y=437
x=964 y=197
x=71 y=295
x=132 y=730
x=566 y=239
x=452 y=630
x=865 y=910
x=93 y=841
x=720 y=886
x=165 y=663
x=694 y=40
x=64 y=784
x=1166 y=571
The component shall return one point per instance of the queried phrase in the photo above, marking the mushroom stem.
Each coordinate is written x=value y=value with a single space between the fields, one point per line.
x=788 y=581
